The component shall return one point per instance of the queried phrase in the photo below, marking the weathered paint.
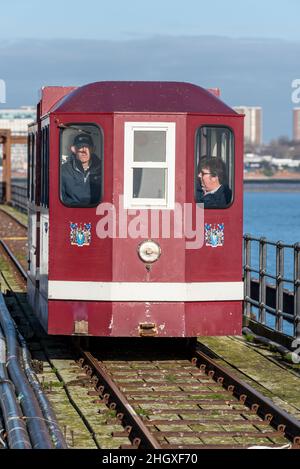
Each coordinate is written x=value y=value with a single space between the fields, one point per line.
x=110 y=105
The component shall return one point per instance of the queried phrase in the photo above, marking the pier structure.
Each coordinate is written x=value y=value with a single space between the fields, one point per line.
x=272 y=289
x=7 y=139
x=263 y=357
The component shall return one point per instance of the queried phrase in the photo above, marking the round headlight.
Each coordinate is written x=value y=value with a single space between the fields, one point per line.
x=149 y=251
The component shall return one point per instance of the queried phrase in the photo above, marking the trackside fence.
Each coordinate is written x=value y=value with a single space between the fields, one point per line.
x=18 y=195
x=272 y=284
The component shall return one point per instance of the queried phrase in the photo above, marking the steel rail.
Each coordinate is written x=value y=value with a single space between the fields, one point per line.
x=19 y=222
x=137 y=431
x=17 y=264
x=107 y=395
x=45 y=406
x=261 y=405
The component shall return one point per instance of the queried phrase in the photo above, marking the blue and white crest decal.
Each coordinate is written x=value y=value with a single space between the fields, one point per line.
x=214 y=235
x=80 y=234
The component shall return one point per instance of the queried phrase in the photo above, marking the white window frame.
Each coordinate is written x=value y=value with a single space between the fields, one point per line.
x=129 y=164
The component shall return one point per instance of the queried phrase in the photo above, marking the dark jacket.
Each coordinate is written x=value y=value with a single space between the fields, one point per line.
x=79 y=187
x=219 y=199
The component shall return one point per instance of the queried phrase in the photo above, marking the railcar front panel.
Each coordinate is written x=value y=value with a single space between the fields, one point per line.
x=128 y=247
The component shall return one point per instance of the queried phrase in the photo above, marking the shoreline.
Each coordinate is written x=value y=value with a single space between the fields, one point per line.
x=250 y=185
x=272 y=185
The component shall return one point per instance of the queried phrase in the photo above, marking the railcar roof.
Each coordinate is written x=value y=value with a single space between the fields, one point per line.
x=141 y=96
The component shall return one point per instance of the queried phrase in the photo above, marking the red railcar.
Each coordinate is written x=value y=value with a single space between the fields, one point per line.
x=119 y=242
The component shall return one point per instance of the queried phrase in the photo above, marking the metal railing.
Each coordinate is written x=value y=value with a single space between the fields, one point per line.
x=266 y=298
x=18 y=195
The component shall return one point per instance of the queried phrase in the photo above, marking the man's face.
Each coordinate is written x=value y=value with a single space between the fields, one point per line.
x=83 y=154
x=208 y=181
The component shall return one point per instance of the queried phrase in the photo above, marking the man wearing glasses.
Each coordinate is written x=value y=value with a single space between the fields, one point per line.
x=214 y=191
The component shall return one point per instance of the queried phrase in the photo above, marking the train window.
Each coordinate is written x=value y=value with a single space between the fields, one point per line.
x=149 y=164
x=81 y=159
x=30 y=145
x=45 y=167
x=214 y=166
x=31 y=166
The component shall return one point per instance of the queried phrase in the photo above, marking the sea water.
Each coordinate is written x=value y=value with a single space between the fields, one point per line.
x=275 y=216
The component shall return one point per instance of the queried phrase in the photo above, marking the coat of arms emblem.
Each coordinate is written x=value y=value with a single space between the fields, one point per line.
x=214 y=234
x=80 y=234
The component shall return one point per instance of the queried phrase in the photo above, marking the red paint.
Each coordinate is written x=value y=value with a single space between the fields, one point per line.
x=110 y=105
x=139 y=96
x=118 y=319
x=51 y=95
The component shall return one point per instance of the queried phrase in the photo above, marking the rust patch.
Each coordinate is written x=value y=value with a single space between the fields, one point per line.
x=147 y=329
x=81 y=327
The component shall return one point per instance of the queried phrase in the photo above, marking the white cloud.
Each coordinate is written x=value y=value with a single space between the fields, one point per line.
x=248 y=71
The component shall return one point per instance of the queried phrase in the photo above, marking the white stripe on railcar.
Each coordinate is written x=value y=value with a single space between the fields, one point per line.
x=142 y=291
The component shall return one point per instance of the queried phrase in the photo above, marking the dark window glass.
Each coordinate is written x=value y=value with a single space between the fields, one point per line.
x=214 y=166
x=31 y=161
x=149 y=183
x=45 y=167
x=81 y=159
x=46 y=149
x=43 y=170
x=149 y=145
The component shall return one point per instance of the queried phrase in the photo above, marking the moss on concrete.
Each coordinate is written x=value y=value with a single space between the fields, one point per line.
x=22 y=217
x=251 y=365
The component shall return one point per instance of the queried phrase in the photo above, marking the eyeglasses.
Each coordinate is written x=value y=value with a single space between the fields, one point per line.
x=203 y=173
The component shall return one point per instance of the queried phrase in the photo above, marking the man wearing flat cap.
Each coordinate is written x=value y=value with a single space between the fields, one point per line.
x=81 y=174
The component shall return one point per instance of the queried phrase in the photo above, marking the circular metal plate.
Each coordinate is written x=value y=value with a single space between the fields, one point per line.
x=149 y=251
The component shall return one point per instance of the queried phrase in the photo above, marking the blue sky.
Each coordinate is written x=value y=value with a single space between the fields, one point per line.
x=121 y=19
x=249 y=49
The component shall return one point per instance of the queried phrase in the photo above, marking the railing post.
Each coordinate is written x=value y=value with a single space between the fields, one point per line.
x=5 y=140
x=19 y=197
x=297 y=290
x=279 y=285
x=247 y=275
x=262 y=279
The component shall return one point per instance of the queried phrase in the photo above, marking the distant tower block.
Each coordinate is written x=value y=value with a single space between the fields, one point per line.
x=2 y=92
x=252 y=123
x=296 y=124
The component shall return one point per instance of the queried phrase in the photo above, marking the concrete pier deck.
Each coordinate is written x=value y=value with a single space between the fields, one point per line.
x=261 y=368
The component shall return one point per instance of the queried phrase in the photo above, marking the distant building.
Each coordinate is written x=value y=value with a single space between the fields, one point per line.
x=296 y=124
x=252 y=124
x=17 y=121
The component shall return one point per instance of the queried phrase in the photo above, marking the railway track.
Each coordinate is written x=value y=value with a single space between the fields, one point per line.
x=14 y=239
x=67 y=381
x=186 y=401
x=5 y=212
